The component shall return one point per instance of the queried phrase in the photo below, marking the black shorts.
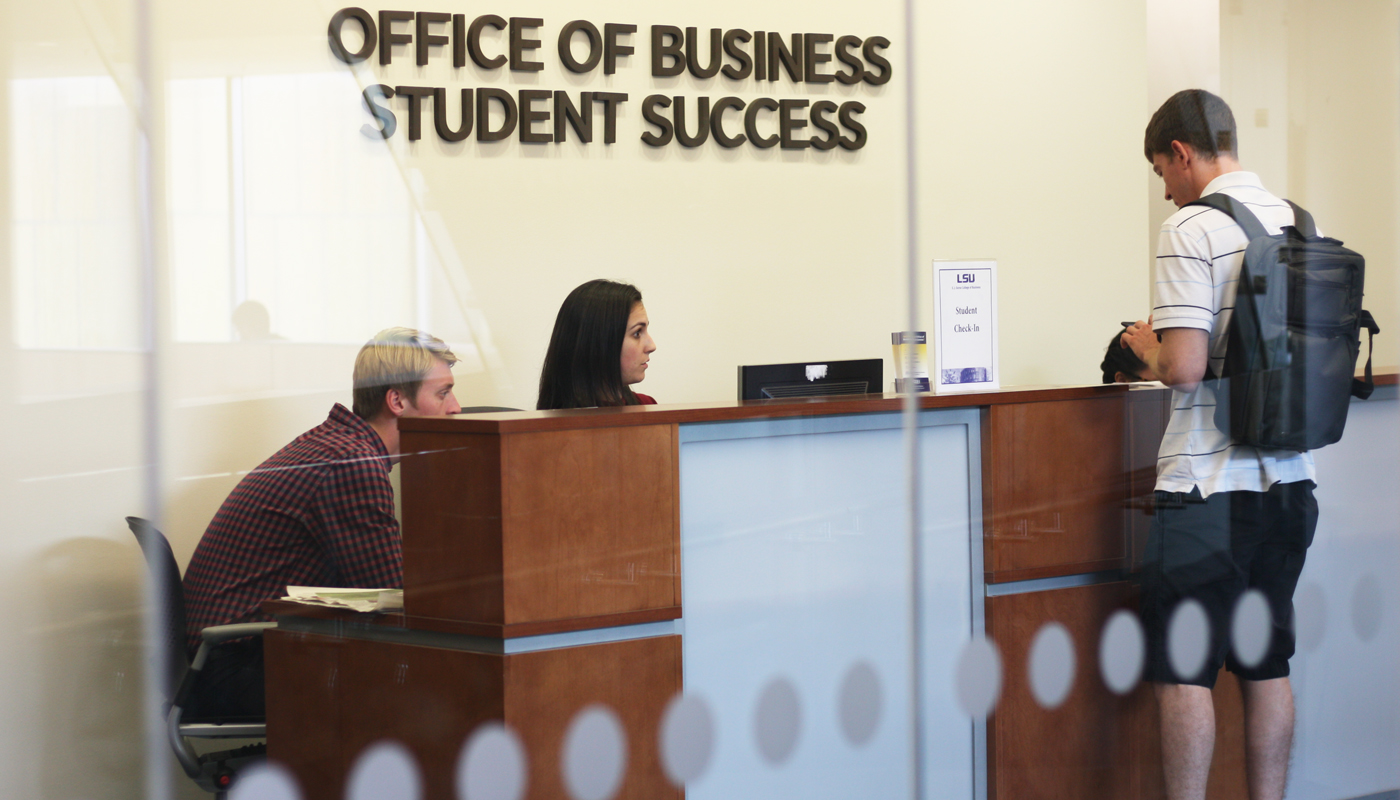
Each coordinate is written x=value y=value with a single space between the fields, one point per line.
x=1214 y=550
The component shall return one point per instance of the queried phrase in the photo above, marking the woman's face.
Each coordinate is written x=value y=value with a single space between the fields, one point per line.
x=637 y=346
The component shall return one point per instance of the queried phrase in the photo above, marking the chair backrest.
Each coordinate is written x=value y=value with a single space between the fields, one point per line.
x=169 y=594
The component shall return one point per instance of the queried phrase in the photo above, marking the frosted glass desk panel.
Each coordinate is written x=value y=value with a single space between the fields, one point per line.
x=795 y=565
x=1345 y=680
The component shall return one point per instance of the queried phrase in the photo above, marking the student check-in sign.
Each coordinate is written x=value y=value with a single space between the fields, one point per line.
x=965 y=311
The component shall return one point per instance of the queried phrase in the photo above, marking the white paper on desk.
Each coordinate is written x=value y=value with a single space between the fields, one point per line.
x=965 y=338
x=363 y=600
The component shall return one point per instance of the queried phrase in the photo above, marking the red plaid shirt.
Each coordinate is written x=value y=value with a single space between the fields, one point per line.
x=320 y=512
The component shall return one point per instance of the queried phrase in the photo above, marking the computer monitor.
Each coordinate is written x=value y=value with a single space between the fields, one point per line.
x=812 y=379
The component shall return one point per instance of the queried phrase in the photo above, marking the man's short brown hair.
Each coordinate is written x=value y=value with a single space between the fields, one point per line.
x=1193 y=117
x=396 y=358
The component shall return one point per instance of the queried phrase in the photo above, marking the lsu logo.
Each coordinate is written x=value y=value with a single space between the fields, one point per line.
x=966 y=277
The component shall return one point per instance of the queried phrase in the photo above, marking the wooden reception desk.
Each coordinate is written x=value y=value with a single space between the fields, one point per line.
x=543 y=563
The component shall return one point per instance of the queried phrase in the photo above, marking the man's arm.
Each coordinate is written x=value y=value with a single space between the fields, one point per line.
x=1179 y=360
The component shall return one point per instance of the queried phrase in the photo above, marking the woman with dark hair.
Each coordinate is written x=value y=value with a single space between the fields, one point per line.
x=600 y=347
x=1121 y=365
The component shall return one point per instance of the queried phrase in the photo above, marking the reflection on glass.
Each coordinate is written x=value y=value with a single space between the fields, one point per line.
x=1367 y=607
x=317 y=227
x=1121 y=652
x=1251 y=627
x=594 y=757
x=492 y=765
x=1051 y=670
x=1188 y=639
x=1309 y=616
x=384 y=769
x=73 y=251
x=687 y=738
x=289 y=234
x=777 y=721
x=860 y=703
x=979 y=677
x=265 y=782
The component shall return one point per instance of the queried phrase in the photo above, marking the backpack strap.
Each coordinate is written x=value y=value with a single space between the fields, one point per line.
x=1236 y=210
x=1360 y=388
x=1302 y=220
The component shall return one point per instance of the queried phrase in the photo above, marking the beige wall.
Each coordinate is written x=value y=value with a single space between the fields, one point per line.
x=1029 y=117
x=1316 y=92
x=1029 y=114
x=1315 y=87
x=1183 y=52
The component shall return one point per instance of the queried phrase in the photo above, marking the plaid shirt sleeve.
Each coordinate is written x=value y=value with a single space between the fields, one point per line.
x=356 y=528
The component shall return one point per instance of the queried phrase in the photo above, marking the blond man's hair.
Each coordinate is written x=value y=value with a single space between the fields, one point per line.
x=396 y=358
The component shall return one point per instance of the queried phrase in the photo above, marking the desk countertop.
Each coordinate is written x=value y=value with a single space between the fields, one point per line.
x=528 y=421
x=665 y=414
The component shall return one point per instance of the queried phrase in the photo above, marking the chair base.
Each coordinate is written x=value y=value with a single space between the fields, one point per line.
x=219 y=771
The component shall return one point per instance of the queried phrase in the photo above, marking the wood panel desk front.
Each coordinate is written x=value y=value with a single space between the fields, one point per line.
x=523 y=524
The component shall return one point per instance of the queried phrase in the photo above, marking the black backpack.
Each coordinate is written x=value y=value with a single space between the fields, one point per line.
x=1293 y=341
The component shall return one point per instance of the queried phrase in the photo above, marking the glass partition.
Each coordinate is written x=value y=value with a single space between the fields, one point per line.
x=934 y=595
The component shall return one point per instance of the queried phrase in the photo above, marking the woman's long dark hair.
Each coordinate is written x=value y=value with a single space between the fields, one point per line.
x=583 y=367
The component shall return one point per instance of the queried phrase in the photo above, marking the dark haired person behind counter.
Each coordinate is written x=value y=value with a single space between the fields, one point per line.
x=600 y=347
x=1121 y=365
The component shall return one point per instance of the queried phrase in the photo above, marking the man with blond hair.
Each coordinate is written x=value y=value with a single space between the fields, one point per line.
x=319 y=512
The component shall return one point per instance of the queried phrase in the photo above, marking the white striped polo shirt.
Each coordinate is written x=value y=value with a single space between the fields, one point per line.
x=1199 y=255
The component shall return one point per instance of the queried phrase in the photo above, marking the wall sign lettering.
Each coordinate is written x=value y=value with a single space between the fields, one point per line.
x=540 y=116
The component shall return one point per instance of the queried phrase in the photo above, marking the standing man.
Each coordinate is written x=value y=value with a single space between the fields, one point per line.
x=319 y=512
x=1230 y=518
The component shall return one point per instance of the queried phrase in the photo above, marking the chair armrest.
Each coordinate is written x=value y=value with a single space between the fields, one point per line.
x=219 y=634
x=209 y=638
x=222 y=633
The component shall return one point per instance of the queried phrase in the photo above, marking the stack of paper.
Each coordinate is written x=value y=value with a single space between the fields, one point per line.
x=353 y=599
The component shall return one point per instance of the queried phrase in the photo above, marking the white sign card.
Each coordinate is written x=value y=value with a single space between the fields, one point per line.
x=965 y=325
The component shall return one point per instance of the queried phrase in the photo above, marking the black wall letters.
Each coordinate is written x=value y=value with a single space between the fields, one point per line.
x=538 y=116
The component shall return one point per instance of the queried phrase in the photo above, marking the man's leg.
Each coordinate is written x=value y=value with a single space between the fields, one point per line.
x=1268 y=736
x=1188 y=738
x=1285 y=526
x=231 y=684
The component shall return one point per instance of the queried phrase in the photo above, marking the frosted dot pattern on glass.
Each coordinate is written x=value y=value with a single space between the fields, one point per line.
x=687 y=738
x=385 y=770
x=1251 y=627
x=861 y=703
x=777 y=721
x=1188 y=639
x=1051 y=667
x=594 y=754
x=979 y=677
x=1309 y=616
x=265 y=781
x=491 y=765
x=1367 y=608
x=1121 y=652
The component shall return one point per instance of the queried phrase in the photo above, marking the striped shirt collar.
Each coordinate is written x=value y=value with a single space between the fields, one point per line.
x=1230 y=179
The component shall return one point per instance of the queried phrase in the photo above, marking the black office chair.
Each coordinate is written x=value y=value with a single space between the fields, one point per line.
x=486 y=409
x=214 y=772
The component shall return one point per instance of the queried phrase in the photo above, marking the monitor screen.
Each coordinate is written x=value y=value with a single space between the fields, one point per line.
x=812 y=379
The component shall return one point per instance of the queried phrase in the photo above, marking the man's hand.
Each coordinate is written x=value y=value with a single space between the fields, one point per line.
x=1179 y=359
x=1141 y=339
